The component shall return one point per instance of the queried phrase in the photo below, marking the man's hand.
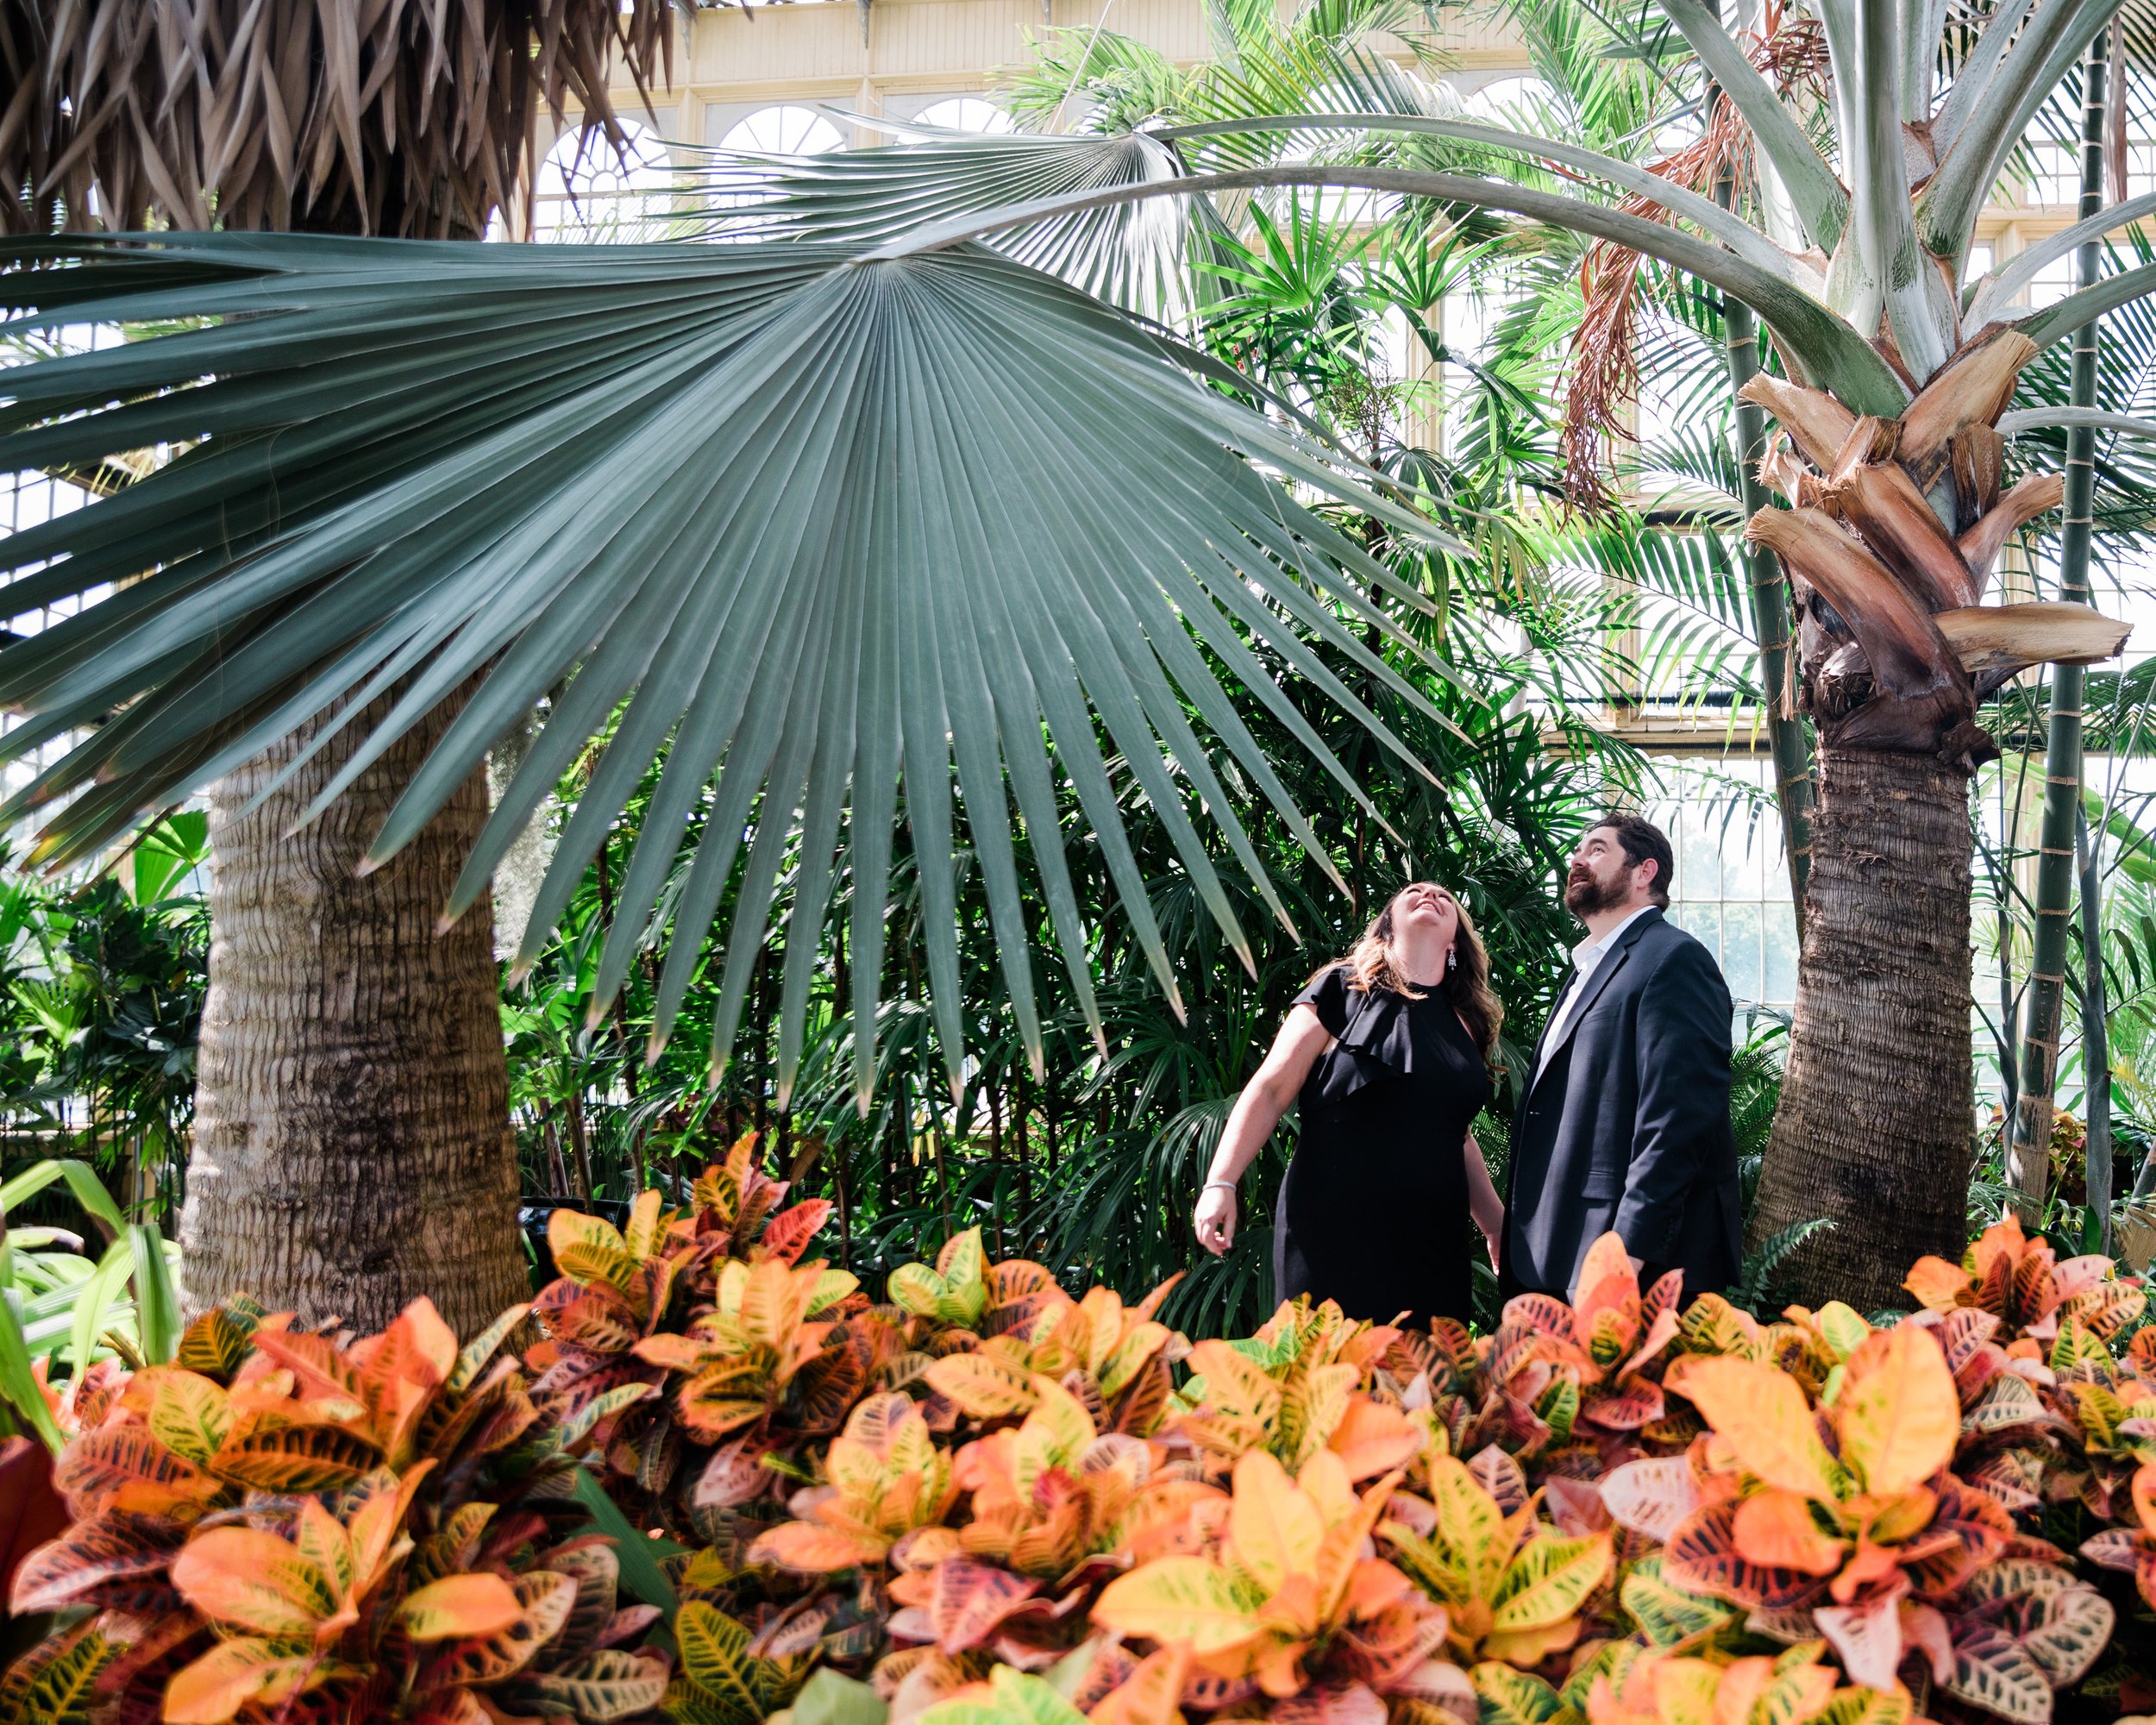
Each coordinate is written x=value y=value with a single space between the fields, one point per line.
x=1214 y=1220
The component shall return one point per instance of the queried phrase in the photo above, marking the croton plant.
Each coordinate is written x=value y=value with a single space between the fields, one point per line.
x=703 y=1477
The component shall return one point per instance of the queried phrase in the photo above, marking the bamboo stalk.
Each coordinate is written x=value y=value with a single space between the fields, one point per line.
x=2095 y=1047
x=2055 y=872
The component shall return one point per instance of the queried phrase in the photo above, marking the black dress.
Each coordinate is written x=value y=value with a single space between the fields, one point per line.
x=1374 y=1210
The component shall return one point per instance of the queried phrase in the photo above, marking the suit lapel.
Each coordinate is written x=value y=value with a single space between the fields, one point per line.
x=1604 y=972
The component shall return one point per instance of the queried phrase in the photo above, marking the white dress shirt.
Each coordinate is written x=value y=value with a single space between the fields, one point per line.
x=1587 y=958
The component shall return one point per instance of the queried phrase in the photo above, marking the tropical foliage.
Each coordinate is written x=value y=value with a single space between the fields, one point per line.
x=987 y=1502
x=102 y=981
x=281 y=1522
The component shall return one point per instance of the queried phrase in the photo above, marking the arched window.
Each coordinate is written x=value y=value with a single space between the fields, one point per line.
x=966 y=114
x=589 y=190
x=785 y=131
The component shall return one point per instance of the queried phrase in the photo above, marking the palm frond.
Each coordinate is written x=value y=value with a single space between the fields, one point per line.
x=801 y=524
x=1133 y=254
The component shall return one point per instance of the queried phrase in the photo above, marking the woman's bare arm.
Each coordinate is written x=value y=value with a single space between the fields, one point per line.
x=1482 y=1201
x=1277 y=1082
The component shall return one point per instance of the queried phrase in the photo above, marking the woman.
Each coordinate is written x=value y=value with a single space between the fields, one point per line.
x=1388 y=1051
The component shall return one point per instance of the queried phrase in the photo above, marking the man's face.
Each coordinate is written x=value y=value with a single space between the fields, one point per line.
x=1601 y=878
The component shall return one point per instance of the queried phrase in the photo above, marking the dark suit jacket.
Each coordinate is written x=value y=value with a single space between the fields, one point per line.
x=1628 y=1126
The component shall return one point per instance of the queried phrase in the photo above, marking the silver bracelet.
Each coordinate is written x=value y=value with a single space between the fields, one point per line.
x=1210 y=1184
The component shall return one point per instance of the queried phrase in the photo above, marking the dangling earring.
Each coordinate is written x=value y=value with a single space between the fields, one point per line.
x=1451 y=957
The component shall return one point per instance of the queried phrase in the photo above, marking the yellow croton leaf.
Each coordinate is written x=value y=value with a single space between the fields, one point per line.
x=887 y=1477
x=1291 y=1553
x=646 y=1224
x=189 y=1414
x=954 y=1292
x=1190 y=1600
x=1760 y=1412
x=984 y=1383
x=1662 y=1689
x=589 y=1249
x=1274 y=1529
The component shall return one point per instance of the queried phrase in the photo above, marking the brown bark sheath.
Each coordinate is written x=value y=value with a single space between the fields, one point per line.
x=1874 y=1128
x=352 y=1147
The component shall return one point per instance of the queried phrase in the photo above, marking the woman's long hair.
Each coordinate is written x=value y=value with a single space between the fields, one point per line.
x=1465 y=986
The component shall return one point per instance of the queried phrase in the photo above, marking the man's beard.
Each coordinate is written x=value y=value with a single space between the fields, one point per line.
x=1584 y=894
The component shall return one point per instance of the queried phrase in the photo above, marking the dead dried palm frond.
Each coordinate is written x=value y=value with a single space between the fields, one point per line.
x=1602 y=373
x=410 y=117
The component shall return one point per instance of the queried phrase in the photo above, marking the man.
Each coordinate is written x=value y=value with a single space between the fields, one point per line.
x=1624 y=1122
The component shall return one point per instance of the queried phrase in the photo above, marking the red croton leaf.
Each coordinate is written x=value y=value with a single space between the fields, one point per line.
x=1704 y=1558
x=1149 y=1695
x=1352 y=1703
x=971 y=1599
x=117 y=1559
x=786 y=1235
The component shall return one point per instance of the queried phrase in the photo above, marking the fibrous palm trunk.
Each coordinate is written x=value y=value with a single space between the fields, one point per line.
x=351 y=1142
x=1893 y=529
x=1874 y=1130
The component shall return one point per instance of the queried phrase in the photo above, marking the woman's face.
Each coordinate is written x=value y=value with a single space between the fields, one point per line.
x=1426 y=909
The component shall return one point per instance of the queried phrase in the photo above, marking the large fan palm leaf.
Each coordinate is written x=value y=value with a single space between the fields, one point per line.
x=807 y=526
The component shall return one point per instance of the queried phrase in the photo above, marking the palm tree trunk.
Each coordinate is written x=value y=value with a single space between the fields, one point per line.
x=1874 y=1128
x=2056 y=874
x=351 y=1147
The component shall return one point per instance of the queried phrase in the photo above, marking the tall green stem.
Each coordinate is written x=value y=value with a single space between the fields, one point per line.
x=1794 y=791
x=2055 y=871
x=2096 y=1049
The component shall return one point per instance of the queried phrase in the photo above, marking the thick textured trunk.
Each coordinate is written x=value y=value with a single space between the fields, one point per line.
x=1874 y=1129
x=351 y=1143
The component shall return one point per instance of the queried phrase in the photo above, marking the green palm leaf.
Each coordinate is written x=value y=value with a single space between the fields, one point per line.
x=800 y=524
x=1130 y=254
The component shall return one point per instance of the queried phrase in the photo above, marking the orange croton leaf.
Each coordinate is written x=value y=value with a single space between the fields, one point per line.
x=1775 y=1529
x=1373 y=1439
x=1898 y=1416
x=462 y=1606
x=1290 y=1583
x=233 y=1675
x=2022 y=1282
x=1148 y=1695
x=255 y=1581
